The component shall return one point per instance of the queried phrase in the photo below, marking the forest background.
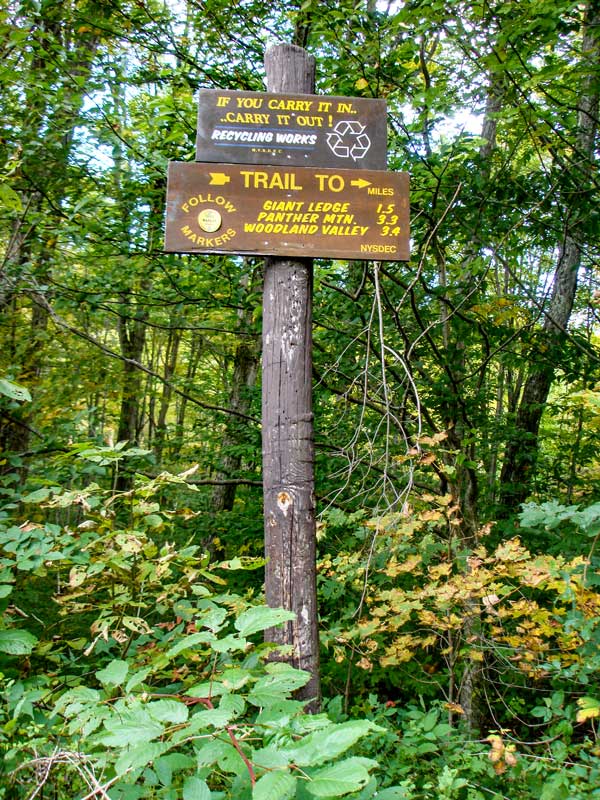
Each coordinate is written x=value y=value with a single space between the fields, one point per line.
x=456 y=410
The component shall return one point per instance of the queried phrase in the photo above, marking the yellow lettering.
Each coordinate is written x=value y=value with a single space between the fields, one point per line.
x=378 y=248
x=249 y=102
x=262 y=180
x=195 y=200
x=336 y=208
x=345 y=230
x=282 y=205
x=310 y=122
x=287 y=104
x=246 y=119
x=335 y=183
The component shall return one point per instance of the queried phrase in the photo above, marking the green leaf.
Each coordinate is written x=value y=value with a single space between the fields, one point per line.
x=223 y=754
x=215 y=717
x=206 y=689
x=134 y=726
x=13 y=390
x=235 y=678
x=369 y=791
x=209 y=751
x=137 y=678
x=17 y=642
x=556 y=787
x=190 y=641
x=329 y=743
x=394 y=793
x=165 y=766
x=229 y=644
x=429 y=721
x=153 y=521
x=280 y=713
x=114 y=673
x=38 y=496
x=73 y=701
x=9 y=199
x=213 y=619
x=233 y=703
x=140 y=755
x=275 y=786
x=346 y=776
x=271 y=757
x=280 y=681
x=260 y=617
x=168 y=710
x=195 y=789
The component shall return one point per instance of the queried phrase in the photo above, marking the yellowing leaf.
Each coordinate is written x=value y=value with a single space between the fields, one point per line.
x=589 y=708
x=394 y=568
x=497 y=750
x=77 y=577
x=501 y=755
x=361 y=84
x=431 y=516
x=428 y=618
x=369 y=627
x=489 y=601
x=512 y=550
x=455 y=708
x=439 y=570
x=435 y=439
x=474 y=562
x=534 y=574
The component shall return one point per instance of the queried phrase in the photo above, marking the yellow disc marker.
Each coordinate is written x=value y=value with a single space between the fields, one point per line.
x=209 y=220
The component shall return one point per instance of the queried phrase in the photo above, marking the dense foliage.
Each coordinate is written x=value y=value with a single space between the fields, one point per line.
x=456 y=405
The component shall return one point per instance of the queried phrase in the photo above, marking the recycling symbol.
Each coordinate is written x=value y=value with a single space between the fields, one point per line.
x=348 y=140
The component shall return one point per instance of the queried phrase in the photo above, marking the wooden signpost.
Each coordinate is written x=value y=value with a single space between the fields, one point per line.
x=306 y=178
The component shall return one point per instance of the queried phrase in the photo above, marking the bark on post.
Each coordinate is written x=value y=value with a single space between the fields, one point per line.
x=287 y=423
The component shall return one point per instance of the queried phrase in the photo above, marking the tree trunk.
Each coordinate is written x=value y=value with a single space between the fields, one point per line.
x=171 y=355
x=243 y=380
x=245 y=370
x=521 y=451
x=132 y=337
x=196 y=350
x=287 y=425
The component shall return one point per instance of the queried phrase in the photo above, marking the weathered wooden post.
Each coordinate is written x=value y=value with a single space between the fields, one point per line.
x=289 y=175
x=287 y=422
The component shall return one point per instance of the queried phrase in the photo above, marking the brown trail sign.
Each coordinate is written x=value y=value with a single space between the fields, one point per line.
x=294 y=211
x=291 y=129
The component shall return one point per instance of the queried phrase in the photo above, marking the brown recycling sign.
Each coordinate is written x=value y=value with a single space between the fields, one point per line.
x=291 y=130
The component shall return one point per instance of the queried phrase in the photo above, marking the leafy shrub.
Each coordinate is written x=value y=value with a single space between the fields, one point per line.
x=150 y=679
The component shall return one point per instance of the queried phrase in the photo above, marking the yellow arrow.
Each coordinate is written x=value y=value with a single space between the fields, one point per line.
x=361 y=183
x=218 y=178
